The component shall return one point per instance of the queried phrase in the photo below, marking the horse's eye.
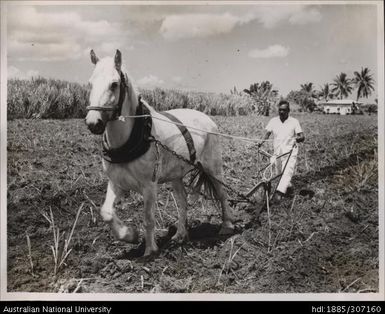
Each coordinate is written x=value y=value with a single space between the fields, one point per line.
x=114 y=85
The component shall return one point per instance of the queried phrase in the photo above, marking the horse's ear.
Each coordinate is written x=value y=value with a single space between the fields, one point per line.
x=94 y=58
x=118 y=60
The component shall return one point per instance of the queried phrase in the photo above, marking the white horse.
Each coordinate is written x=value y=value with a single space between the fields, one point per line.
x=113 y=95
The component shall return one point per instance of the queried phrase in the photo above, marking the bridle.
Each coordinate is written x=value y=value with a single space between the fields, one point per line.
x=116 y=109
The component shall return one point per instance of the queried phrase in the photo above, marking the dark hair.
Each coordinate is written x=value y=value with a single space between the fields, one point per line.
x=284 y=102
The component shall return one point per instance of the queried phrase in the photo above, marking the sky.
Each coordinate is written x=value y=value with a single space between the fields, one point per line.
x=202 y=47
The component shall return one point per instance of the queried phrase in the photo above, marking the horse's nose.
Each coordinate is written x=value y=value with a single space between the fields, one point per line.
x=99 y=123
x=97 y=127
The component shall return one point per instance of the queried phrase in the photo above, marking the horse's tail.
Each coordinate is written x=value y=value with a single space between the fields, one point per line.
x=201 y=179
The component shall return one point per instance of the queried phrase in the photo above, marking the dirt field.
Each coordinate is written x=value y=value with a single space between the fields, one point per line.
x=324 y=238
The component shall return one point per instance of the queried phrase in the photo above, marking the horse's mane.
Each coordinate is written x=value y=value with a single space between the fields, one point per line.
x=145 y=103
x=134 y=88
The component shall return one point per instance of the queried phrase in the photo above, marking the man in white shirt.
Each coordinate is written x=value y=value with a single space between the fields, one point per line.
x=286 y=131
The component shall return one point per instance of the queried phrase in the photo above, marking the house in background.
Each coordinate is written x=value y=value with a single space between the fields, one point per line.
x=340 y=106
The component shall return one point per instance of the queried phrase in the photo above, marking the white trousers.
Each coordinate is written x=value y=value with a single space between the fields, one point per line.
x=289 y=170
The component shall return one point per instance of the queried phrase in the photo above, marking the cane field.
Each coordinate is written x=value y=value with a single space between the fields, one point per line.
x=324 y=238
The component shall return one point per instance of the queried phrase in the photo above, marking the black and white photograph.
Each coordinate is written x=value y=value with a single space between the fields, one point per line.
x=192 y=150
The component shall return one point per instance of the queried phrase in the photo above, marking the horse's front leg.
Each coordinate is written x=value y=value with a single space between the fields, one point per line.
x=119 y=229
x=149 y=198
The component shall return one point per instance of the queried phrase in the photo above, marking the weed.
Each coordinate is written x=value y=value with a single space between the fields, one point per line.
x=229 y=264
x=60 y=255
x=30 y=254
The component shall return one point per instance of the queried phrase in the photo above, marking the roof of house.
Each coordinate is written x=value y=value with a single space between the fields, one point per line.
x=338 y=102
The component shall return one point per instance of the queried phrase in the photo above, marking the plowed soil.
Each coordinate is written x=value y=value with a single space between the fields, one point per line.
x=323 y=238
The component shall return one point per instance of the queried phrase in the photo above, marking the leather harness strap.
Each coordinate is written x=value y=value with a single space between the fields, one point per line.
x=186 y=134
x=122 y=94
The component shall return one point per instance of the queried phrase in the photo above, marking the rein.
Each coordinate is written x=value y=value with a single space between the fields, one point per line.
x=225 y=135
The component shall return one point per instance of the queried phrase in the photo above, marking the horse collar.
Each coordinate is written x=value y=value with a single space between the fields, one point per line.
x=138 y=142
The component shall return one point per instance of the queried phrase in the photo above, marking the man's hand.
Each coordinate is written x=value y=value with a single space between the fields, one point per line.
x=266 y=136
x=300 y=138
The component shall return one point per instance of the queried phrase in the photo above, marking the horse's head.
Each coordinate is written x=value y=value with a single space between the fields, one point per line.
x=107 y=92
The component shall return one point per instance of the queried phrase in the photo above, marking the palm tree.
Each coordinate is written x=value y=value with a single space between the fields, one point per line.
x=342 y=86
x=325 y=92
x=364 y=83
x=308 y=96
x=263 y=95
x=308 y=88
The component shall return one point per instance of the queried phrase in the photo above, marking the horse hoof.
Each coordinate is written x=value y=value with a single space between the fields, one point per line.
x=149 y=255
x=178 y=238
x=133 y=239
x=226 y=230
x=129 y=235
x=147 y=258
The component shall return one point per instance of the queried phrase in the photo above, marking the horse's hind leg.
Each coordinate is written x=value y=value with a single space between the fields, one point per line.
x=227 y=214
x=181 y=195
x=119 y=229
x=212 y=162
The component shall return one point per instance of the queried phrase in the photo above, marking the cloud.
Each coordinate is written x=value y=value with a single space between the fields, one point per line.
x=52 y=36
x=59 y=22
x=304 y=17
x=274 y=51
x=149 y=81
x=14 y=72
x=200 y=25
x=272 y=16
x=44 y=52
x=176 y=27
x=108 y=48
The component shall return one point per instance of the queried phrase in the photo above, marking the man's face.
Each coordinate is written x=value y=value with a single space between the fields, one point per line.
x=283 y=111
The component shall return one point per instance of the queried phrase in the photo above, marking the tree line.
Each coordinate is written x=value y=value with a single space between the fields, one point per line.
x=341 y=87
x=264 y=95
x=50 y=98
